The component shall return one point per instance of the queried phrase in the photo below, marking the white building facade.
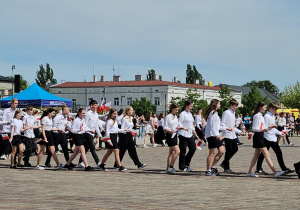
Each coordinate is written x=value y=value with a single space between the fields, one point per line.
x=122 y=93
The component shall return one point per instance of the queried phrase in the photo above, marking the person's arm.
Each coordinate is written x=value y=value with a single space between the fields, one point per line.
x=12 y=133
x=43 y=132
x=225 y=118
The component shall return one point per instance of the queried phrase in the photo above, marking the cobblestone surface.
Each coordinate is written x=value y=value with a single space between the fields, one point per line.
x=151 y=188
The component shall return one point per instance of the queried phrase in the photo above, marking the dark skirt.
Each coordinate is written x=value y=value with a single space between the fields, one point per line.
x=37 y=132
x=17 y=140
x=113 y=138
x=213 y=142
x=160 y=135
x=200 y=133
x=171 y=141
x=258 y=140
x=78 y=139
x=49 y=139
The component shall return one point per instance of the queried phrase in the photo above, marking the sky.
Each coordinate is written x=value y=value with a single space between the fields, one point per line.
x=229 y=42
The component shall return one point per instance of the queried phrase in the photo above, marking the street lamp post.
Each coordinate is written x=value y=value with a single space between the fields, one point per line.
x=12 y=80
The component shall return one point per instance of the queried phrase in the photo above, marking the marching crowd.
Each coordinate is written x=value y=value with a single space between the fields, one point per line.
x=45 y=131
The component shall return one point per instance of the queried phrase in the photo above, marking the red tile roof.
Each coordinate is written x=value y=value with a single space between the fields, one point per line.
x=130 y=84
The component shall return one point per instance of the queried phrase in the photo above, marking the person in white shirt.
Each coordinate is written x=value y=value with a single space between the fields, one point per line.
x=186 y=133
x=230 y=135
x=78 y=130
x=281 y=125
x=170 y=126
x=29 y=126
x=15 y=138
x=270 y=139
x=125 y=139
x=47 y=123
x=259 y=127
x=60 y=121
x=212 y=131
x=91 y=119
x=8 y=115
x=111 y=131
x=149 y=129
x=160 y=137
x=199 y=127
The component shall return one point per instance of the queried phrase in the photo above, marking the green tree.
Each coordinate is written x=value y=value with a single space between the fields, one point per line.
x=142 y=106
x=194 y=96
x=226 y=96
x=192 y=74
x=250 y=101
x=45 y=76
x=23 y=83
x=264 y=84
x=151 y=75
x=290 y=97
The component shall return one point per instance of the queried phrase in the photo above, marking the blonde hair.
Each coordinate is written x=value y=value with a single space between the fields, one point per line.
x=125 y=112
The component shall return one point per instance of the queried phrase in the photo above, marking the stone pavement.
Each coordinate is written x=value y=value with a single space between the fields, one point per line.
x=151 y=188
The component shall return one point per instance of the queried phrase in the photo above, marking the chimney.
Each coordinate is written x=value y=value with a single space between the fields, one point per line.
x=94 y=78
x=155 y=76
x=138 y=77
x=197 y=82
x=175 y=79
x=102 y=78
x=116 y=78
x=205 y=83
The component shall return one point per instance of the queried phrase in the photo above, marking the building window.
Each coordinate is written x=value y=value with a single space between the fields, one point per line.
x=59 y=91
x=73 y=91
x=157 y=101
x=142 y=91
x=116 y=101
x=90 y=91
x=115 y=91
x=74 y=103
x=129 y=91
x=129 y=100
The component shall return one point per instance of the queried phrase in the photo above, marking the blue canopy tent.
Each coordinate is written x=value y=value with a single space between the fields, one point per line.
x=35 y=96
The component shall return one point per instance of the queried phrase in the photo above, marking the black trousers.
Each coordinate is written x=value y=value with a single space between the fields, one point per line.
x=5 y=146
x=126 y=143
x=185 y=159
x=89 y=145
x=59 y=138
x=30 y=146
x=231 y=148
x=278 y=152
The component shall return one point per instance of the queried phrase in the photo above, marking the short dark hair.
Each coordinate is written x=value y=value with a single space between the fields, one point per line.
x=273 y=105
x=233 y=102
x=92 y=102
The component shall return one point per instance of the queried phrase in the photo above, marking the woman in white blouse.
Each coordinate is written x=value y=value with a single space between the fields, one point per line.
x=111 y=131
x=15 y=138
x=212 y=131
x=149 y=129
x=126 y=141
x=259 y=127
x=78 y=130
x=47 y=123
x=186 y=133
x=170 y=127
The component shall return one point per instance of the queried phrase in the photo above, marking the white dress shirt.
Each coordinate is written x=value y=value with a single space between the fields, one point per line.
x=228 y=121
x=101 y=125
x=198 y=120
x=18 y=125
x=126 y=124
x=112 y=127
x=60 y=122
x=91 y=119
x=213 y=125
x=28 y=121
x=161 y=122
x=48 y=123
x=258 y=124
x=271 y=134
x=186 y=120
x=170 y=123
x=8 y=115
x=77 y=125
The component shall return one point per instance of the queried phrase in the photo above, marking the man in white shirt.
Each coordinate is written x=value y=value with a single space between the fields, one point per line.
x=230 y=138
x=8 y=115
x=91 y=119
x=60 y=122
x=270 y=139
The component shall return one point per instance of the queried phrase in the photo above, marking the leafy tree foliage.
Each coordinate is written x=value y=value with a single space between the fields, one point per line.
x=151 y=75
x=45 y=76
x=250 y=101
x=192 y=74
x=192 y=95
x=142 y=106
x=265 y=84
x=290 y=97
x=226 y=96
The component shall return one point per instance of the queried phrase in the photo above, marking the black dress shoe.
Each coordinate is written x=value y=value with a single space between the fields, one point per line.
x=297 y=168
x=27 y=164
x=289 y=171
x=14 y=167
x=48 y=165
x=72 y=165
